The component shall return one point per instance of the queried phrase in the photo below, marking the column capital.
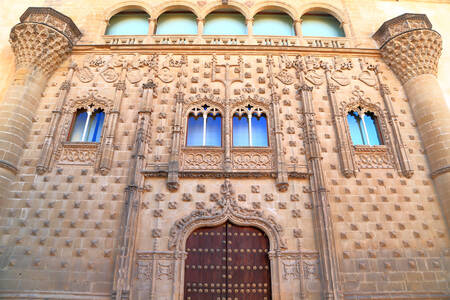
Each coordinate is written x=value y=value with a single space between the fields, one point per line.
x=43 y=39
x=409 y=46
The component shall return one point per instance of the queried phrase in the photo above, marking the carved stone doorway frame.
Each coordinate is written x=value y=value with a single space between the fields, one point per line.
x=226 y=210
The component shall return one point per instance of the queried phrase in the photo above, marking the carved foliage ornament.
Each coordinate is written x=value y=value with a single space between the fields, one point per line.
x=226 y=208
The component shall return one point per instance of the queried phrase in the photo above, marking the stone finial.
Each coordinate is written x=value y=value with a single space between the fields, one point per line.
x=409 y=46
x=43 y=39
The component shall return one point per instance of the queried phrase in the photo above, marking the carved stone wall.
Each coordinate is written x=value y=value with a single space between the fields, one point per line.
x=109 y=219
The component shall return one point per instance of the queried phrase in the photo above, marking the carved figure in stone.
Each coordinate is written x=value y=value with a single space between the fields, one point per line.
x=164 y=271
x=291 y=270
x=84 y=73
x=134 y=74
x=165 y=75
x=341 y=64
x=312 y=64
x=285 y=77
x=144 y=270
x=108 y=73
x=367 y=75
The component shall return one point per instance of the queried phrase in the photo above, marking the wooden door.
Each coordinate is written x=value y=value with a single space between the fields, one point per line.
x=227 y=262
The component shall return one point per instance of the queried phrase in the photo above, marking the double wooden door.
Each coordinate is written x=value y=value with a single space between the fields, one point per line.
x=227 y=262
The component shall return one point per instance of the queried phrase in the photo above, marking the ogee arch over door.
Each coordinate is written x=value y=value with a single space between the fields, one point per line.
x=227 y=262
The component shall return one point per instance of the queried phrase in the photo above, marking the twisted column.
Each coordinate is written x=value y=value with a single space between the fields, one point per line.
x=41 y=42
x=412 y=49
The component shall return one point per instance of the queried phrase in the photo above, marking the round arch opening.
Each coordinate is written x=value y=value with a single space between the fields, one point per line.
x=321 y=24
x=128 y=22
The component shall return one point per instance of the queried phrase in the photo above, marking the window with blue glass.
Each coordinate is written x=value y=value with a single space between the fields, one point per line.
x=204 y=127
x=87 y=125
x=250 y=127
x=321 y=24
x=225 y=23
x=177 y=23
x=273 y=23
x=364 y=128
x=128 y=23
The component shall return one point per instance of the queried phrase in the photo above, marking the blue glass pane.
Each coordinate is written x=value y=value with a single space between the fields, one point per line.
x=240 y=131
x=214 y=131
x=273 y=24
x=225 y=23
x=128 y=24
x=78 y=127
x=177 y=23
x=195 y=131
x=321 y=25
x=95 y=126
x=259 y=131
x=356 y=128
x=372 y=129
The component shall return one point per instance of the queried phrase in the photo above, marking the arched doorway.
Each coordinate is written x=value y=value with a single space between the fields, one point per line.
x=227 y=262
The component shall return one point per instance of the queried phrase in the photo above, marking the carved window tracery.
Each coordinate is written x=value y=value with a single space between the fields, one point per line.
x=250 y=127
x=87 y=124
x=204 y=127
x=364 y=127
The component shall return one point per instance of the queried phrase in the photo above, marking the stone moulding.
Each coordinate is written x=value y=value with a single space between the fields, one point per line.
x=59 y=21
x=399 y=25
x=226 y=208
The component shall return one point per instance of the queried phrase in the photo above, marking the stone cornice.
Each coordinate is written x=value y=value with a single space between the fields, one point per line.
x=54 y=19
x=222 y=49
x=399 y=25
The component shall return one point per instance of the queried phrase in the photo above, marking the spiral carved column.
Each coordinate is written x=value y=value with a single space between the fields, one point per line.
x=41 y=42
x=412 y=50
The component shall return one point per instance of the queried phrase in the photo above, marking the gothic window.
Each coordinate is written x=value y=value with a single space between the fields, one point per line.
x=128 y=23
x=364 y=128
x=87 y=125
x=273 y=23
x=250 y=127
x=177 y=23
x=225 y=23
x=204 y=127
x=321 y=24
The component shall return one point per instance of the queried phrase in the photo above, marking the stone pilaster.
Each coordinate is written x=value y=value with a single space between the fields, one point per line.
x=41 y=42
x=412 y=49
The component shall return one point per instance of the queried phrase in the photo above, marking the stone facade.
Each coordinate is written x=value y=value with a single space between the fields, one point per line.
x=109 y=220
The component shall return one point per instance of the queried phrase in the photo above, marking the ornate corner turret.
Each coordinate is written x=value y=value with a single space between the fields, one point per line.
x=411 y=48
x=42 y=40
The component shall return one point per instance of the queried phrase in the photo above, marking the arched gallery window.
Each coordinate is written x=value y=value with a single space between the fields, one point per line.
x=273 y=23
x=250 y=127
x=128 y=23
x=364 y=128
x=87 y=125
x=182 y=22
x=204 y=127
x=225 y=23
x=321 y=24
